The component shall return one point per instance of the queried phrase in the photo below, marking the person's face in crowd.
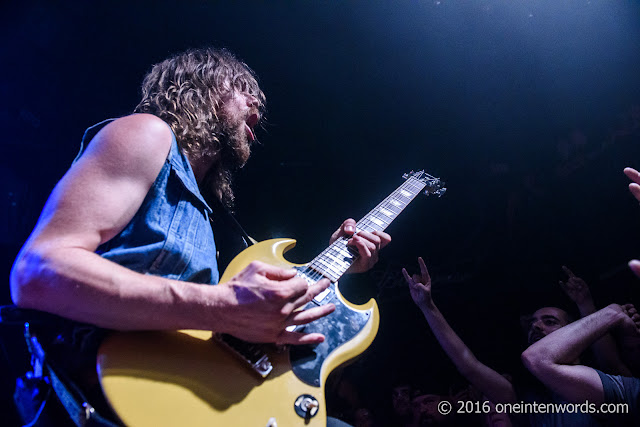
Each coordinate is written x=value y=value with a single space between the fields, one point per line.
x=401 y=399
x=363 y=418
x=425 y=410
x=544 y=321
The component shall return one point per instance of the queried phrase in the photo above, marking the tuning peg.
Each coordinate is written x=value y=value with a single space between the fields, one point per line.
x=407 y=175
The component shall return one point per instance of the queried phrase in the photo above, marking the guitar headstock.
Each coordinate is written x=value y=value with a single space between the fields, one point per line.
x=433 y=185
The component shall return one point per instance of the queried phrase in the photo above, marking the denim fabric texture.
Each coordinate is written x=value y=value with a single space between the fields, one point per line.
x=170 y=235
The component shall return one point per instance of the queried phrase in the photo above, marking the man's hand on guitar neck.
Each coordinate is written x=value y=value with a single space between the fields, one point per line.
x=262 y=300
x=367 y=244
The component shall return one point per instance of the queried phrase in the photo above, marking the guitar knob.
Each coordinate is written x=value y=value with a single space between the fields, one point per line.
x=306 y=406
x=309 y=404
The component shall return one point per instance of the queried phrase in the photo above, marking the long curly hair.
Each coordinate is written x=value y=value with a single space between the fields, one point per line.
x=187 y=92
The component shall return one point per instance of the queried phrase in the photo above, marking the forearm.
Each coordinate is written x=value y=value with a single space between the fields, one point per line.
x=489 y=382
x=566 y=344
x=82 y=286
x=450 y=342
x=604 y=349
x=608 y=358
x=552 y=358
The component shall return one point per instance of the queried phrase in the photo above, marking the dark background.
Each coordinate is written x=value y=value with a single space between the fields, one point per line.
x=528 y=110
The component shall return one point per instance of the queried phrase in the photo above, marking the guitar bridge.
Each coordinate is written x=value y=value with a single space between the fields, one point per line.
x=252 y=354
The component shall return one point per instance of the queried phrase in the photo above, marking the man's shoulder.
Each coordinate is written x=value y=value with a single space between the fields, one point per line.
x=134 y=138
x=135 y=145
x=141 y=131
x=620 y=389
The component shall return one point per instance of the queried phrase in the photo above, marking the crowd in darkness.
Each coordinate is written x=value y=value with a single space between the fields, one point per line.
x=559 y=373
x=588 y=353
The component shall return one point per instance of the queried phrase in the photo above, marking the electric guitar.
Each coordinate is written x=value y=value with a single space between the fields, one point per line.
x=199 y=378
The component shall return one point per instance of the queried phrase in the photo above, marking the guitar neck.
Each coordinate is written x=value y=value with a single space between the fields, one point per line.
x=335 y=260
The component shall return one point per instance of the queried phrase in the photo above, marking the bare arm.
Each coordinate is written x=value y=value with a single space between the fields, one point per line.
x=57 y=270
x=551 y=358
x=496 y=387
x=604 y=349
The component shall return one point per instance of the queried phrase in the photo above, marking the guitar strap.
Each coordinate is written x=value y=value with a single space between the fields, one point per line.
x=230 y=237
x=248 y=240
x=46 y=395
x=72 y=399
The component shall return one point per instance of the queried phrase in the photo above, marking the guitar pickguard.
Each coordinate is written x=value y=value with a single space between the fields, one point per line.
x=338 y=328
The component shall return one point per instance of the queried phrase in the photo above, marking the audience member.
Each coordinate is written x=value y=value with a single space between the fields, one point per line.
x=604 y=349
x=493 y=385
x=401 y=394
x=552 y=361
x=485 y=379
x=363 y=417
x=425 y=412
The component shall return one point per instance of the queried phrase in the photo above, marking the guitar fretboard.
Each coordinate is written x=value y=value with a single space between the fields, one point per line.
x=335 y=260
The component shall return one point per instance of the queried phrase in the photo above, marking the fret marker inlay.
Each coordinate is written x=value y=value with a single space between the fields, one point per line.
x=377 y=221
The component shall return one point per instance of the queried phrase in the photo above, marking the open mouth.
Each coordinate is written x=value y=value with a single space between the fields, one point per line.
x=250 y=134
x=250 y=123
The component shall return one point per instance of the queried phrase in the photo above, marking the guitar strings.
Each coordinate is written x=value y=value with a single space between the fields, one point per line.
x=313 y=270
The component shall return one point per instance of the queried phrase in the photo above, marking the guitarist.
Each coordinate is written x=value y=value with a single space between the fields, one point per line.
x=125 y=241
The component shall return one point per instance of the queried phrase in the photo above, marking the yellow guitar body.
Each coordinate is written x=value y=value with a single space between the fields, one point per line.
x=186 y=378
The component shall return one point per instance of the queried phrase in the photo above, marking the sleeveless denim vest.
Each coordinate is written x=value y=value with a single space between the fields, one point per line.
x=170 y=235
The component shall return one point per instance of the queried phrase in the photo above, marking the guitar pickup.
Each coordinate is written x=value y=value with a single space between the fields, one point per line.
x=263 y=366
x=250 y=353
x=318 y=298
x=312 y=279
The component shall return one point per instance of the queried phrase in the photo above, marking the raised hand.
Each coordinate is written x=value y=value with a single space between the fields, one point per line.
x=420 y=286
x=630 y=325
x=367 y=244
x=634 y=265
x=631 y=311
x=576 y=288
x=263 y=300
x=634 y=187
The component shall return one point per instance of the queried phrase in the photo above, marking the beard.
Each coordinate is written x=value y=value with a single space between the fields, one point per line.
x=234 y=149
x=235 y=145
x=234 y=141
